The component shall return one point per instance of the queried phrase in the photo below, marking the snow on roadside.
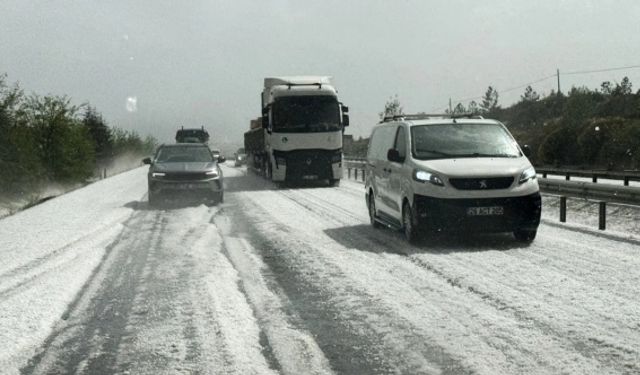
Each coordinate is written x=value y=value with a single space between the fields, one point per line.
x=49 y=251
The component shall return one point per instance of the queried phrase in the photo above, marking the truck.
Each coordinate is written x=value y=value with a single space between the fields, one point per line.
x=299 y=136
x=193 y=135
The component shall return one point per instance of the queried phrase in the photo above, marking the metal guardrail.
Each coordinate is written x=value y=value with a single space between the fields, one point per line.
x=605 y=192
x=625 y=176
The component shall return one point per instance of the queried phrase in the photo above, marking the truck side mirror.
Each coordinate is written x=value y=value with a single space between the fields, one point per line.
x=345 y=120
x=345 y=109
x=265 y=118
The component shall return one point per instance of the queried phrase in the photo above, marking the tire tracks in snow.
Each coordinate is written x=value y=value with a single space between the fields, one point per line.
x=614 y=356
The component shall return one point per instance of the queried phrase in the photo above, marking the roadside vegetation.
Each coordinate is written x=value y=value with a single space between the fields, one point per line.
x=48 y=140
x=584 y=128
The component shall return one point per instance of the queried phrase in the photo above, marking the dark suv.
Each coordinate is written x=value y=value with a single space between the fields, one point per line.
x=187 y=170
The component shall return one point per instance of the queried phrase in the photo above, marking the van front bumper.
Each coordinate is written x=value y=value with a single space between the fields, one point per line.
x=478 y=215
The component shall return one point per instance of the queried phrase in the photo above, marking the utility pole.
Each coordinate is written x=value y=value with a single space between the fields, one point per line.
x=450 y=108
x=558 y=74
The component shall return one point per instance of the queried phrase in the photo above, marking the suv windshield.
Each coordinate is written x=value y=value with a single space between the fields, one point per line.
x=462 y=140
x=185 y=154
x=301 y=114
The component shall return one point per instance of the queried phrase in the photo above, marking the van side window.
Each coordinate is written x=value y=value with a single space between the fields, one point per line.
x=401 y=142
x=380 y=142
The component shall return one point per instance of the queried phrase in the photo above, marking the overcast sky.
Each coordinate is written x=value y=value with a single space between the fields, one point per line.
x=153 y=65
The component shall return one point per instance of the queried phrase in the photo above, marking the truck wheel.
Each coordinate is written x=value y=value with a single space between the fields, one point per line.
x=525 y=236
x=269 y=172
x=409 y=224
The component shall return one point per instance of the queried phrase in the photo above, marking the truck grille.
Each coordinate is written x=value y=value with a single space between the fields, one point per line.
x=491 y=183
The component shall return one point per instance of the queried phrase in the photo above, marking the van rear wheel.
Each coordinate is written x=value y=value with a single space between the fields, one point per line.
x=525 y=236
x=372 y=212
x=409 y=224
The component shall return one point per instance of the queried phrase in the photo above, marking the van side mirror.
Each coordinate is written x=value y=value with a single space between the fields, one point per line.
x=394 y=155
x=345 y=120
x=146 y=160
x=526 y=150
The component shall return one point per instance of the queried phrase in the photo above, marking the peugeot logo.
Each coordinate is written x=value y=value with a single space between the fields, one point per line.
x=483 y=184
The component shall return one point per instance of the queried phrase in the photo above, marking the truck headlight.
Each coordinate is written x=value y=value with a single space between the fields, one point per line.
x=158 y=174
x=528 y=174
x=424 y=176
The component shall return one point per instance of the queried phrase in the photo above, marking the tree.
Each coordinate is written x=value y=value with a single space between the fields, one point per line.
x=489 y=100
x=624 y=88
x=605 y=88
x=391 y=108
x=459 y=109
x=530 y=95
x=473 y=108
x=99 y=132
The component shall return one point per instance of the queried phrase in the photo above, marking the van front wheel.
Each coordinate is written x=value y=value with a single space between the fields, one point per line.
x=372 y=212
x=409 y=224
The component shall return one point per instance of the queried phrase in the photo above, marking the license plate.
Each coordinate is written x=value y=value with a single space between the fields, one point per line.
x=485 y=211
x=186 y=186
x=310 y=177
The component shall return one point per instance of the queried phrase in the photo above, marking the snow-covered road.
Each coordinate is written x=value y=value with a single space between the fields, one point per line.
x=295 y=281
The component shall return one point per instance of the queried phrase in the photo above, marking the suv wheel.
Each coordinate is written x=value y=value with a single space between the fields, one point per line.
x=372 y=212
x=526 y=236
x=408 y=224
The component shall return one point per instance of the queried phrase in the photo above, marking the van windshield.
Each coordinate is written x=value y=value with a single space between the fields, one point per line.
x=462 y=141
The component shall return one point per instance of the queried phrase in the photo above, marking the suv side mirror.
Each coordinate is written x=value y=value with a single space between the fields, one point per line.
x=146 y=160
x=394 y=155
x=526 y=150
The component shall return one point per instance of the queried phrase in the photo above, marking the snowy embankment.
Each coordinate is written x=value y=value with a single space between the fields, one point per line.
x=49 y=251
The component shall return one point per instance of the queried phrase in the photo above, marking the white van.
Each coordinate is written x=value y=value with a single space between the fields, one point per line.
x=427 y=173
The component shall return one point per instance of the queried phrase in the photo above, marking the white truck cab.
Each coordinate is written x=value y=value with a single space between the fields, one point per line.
x=303 y=123
x=441 y=173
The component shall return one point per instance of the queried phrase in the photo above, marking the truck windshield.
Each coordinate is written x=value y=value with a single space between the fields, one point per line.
x=462 y=141
x=302 y=114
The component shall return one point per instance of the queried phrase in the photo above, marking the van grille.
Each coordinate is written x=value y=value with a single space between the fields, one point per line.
x=491 y=183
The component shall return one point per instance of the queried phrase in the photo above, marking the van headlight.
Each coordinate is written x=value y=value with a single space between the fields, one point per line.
x=528 y=174
x=423 y=176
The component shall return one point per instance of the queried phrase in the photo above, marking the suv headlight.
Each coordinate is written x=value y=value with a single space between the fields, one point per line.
x=423 y=176
x=528 y=174
x=158 y=174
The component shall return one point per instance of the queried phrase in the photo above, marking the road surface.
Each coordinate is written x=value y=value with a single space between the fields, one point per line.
x=295 y=281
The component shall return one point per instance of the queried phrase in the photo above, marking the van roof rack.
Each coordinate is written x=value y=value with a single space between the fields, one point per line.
x=426 y=116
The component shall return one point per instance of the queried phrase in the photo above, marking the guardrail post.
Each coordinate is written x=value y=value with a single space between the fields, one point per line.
x=104 y=173
x=626 y=180
x=348 y=172
x=563 y=209
x=544 y=174
x=567 y=177
x=355 y=171
x=594 y=179
x=363 y=175
x=602 y=217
